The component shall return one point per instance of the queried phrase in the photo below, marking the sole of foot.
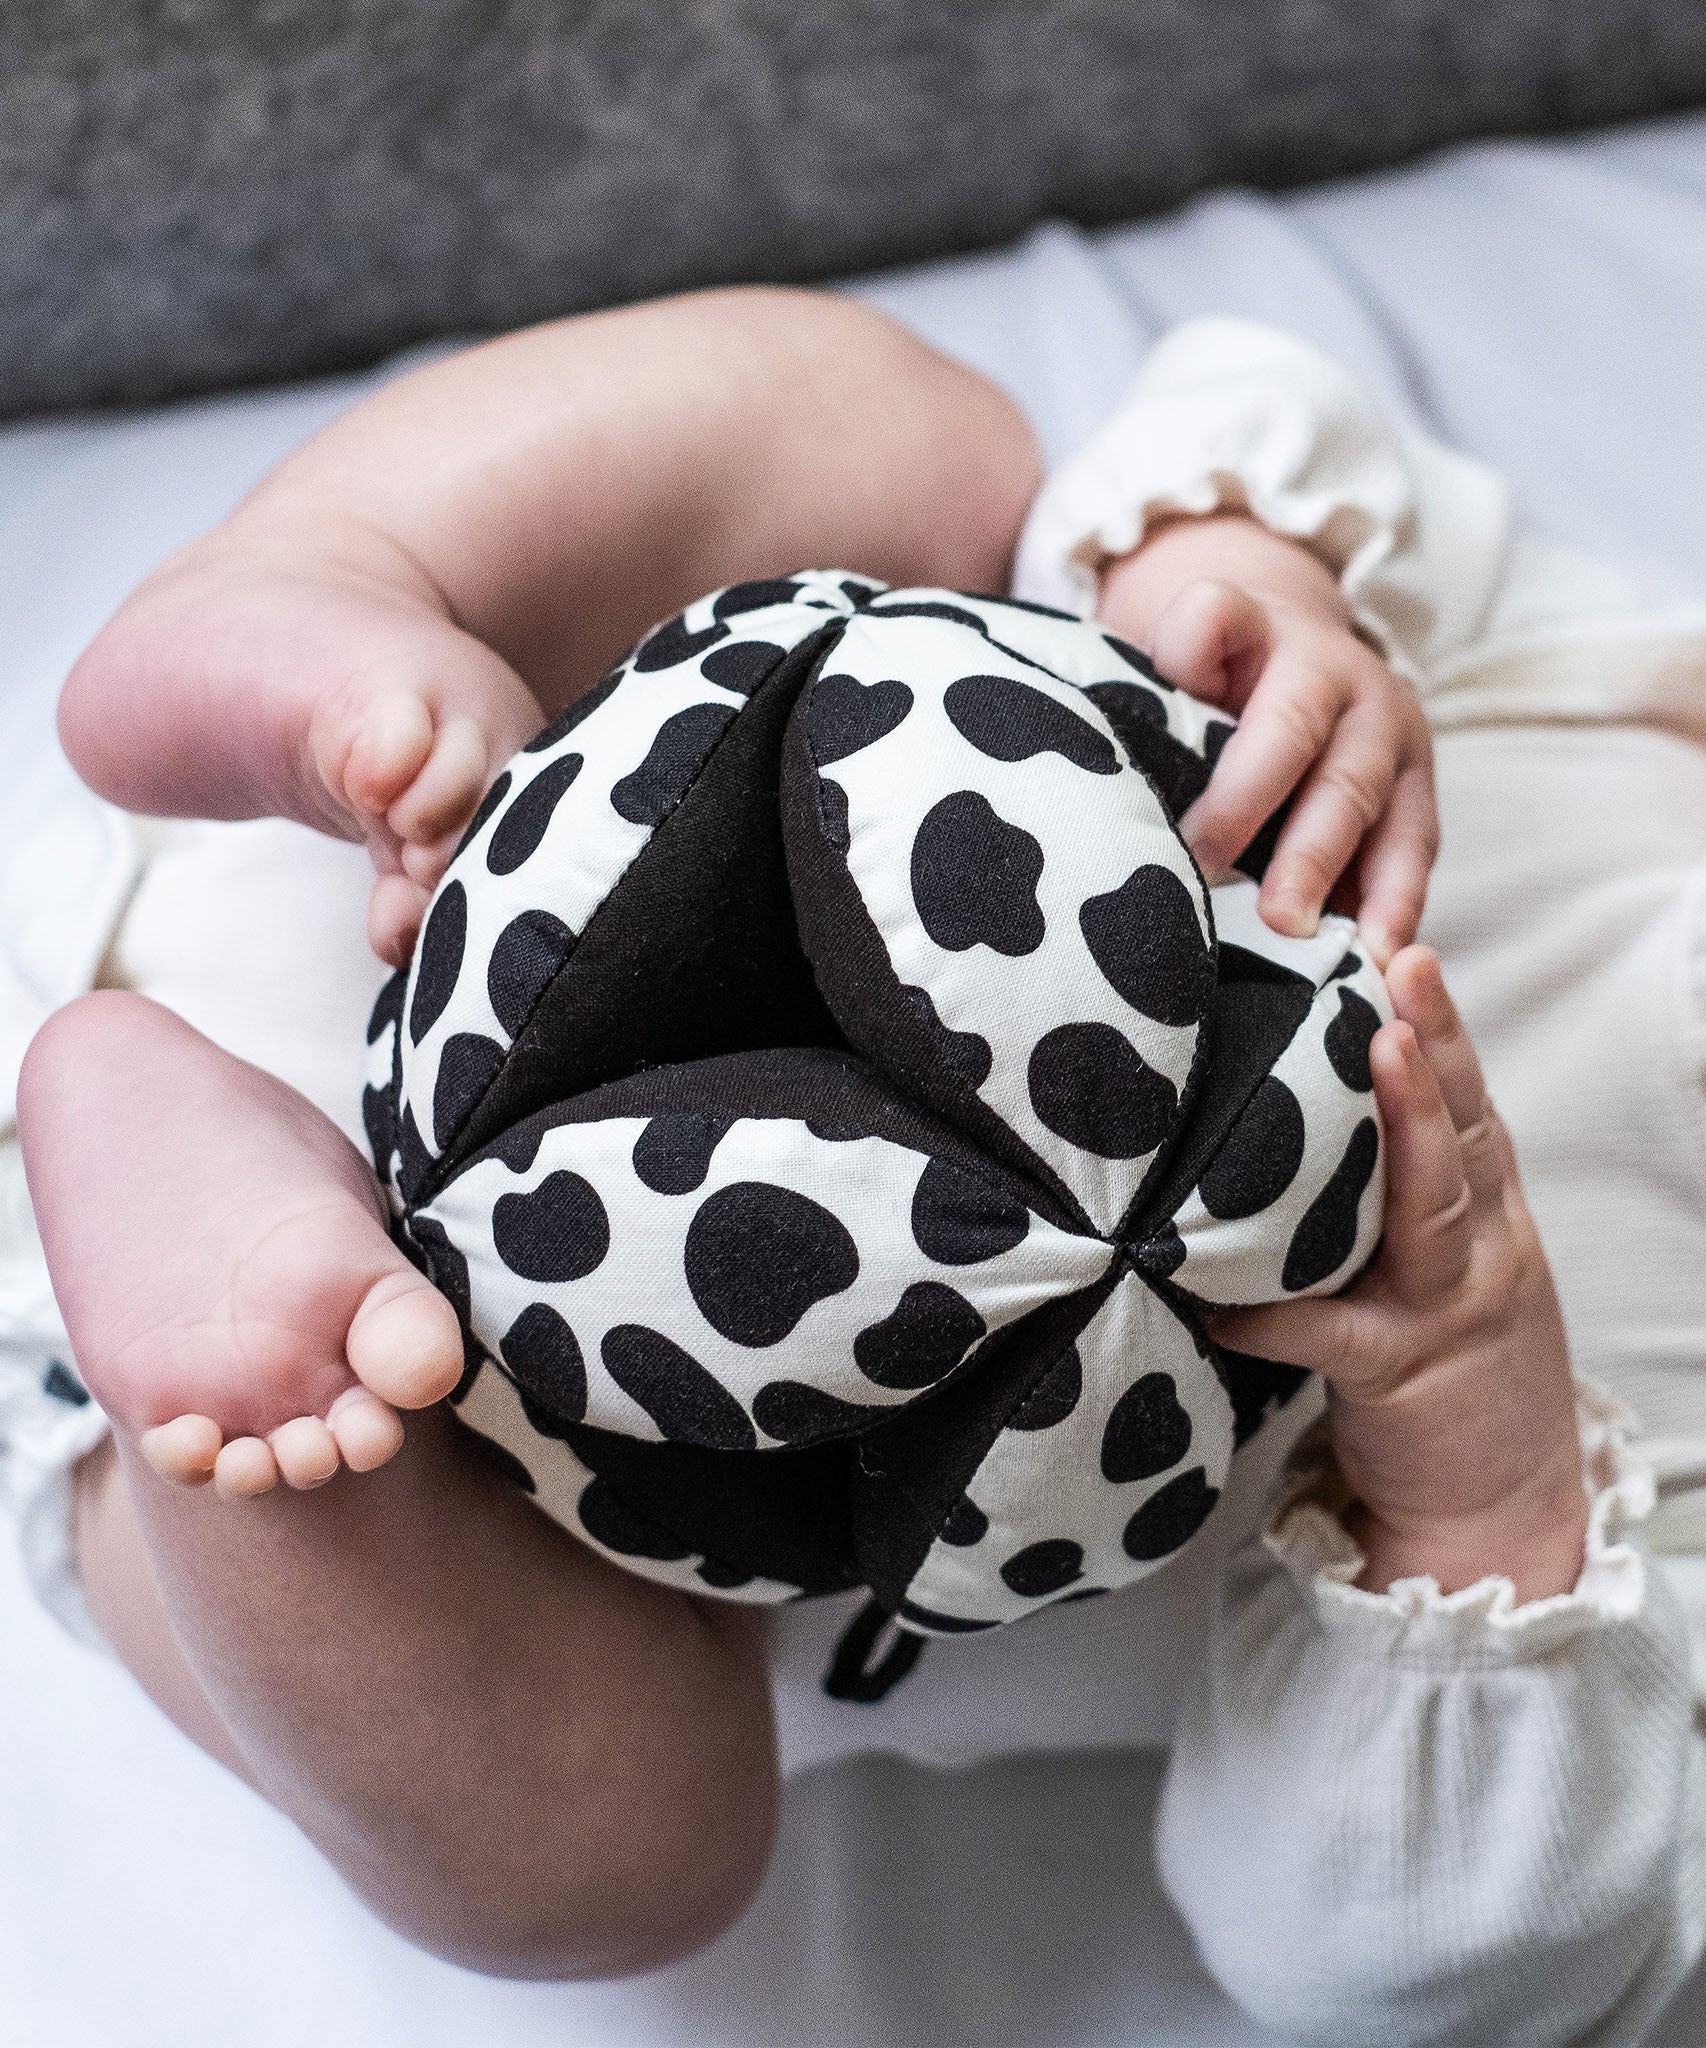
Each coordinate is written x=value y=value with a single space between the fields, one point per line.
x=219 y=1248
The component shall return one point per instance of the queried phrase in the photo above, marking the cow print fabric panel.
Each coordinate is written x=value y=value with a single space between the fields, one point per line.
x=978 y=801
x=1107 y=1470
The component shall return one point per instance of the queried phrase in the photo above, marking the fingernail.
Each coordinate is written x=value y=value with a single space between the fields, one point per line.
x=1376 y=942
x=1292 y=916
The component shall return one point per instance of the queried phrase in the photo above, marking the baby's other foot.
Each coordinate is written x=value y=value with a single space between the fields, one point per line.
x=219 y=1249
x=411 y=759
x=320 y=678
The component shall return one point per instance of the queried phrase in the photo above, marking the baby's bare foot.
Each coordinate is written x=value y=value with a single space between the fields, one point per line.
x=269 y=669
x=219 y=1250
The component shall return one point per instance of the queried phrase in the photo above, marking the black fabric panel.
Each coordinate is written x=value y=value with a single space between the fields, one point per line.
x=1258 y=1010
x=909 y=1475
x=693 y=953
x=861 y=988
x=764 y=1514
x=832 y=1090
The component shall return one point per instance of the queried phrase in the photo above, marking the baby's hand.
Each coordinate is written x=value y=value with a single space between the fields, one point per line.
x=1241 y=618
x=1447 y=1369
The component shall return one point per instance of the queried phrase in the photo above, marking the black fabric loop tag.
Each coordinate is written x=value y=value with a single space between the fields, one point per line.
x=850 y=1675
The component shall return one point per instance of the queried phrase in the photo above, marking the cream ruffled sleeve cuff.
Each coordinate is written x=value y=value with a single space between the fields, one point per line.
x=1227 y=415
x=1416 y=1817
x=1482 y=1625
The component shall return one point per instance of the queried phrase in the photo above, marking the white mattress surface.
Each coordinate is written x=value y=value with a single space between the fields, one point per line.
x=1542 y=306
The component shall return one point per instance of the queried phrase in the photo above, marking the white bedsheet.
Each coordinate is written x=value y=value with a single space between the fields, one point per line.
x=1542 y=306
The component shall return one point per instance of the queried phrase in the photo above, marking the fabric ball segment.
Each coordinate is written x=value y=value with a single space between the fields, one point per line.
x=830 y=1094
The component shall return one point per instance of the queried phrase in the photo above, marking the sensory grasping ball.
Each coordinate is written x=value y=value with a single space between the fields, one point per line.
x=829 y=1092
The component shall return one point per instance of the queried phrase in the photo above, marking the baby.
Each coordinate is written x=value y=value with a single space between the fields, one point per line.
x=360 y=647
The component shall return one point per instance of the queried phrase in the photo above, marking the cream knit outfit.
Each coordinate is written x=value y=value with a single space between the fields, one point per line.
x=1394 y=1818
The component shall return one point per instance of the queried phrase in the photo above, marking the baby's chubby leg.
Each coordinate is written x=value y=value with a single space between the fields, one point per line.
x=401 y=604
x=525 y=1760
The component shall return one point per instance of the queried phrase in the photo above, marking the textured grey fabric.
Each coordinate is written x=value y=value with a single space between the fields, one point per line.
x=197 y=192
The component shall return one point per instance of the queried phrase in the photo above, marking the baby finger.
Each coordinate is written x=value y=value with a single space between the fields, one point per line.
x=1428 y=1234
x=1342 y=800
x=1284 y=728
x=1397 y=860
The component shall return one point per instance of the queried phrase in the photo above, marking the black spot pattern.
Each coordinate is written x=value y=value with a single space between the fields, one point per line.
x=558 y=1231
x=1089 y=1085
x=1170 y=1517
x=530 y=951
x=958 y=1220
x=722 y=1578
x=544 y=1355
x=688 y=1404
x=965 y=1053
x=525 y=823
x=440 y=959
x=844 y=715
x=1054 y=1396
x=608 y=1519
x=929 y=1331
x=60 y=1383
x=677 y=754
x=966 y=1524
x=794 y=1413
x=1145 y=938
x=1147 y=1432
x=759 y=1256
x=482 y=817
x=1348 y=1038
x=1011 y=721
x=1043 y=1568
x=675 y=642
x=1326 y=1234
x=1133 y=711
x=672 y=1155
x=754 y=596
x=741 y=666
x=388 y=1006
x=1260 y=1156
x=1134 y=657
x=974 y=878
x=467 y=1067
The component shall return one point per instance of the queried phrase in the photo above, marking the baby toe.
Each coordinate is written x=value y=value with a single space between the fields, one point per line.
x=392 y=743
x=246 y=1467
x=368 y=1433
x=305 y=1452
x=441 y=798
x=405 y=1344
x=394 y=913
x=183 y=1451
